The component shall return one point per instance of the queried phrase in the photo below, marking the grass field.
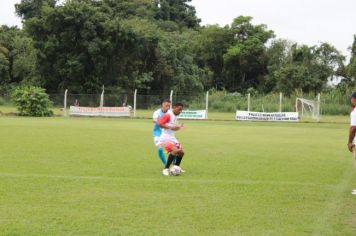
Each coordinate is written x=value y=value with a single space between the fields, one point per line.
x=89 y=176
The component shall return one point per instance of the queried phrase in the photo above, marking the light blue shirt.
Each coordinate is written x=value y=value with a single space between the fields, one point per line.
x=156 y=129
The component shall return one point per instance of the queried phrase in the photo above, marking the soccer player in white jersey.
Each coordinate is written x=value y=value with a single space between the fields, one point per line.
x=168 y=140
x=352 y=131
x=157 y=131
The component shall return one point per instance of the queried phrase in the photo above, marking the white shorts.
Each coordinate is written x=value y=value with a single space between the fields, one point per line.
x=163 y=141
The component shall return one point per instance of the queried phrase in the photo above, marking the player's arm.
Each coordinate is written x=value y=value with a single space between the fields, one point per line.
x=155 y=117
x=352 y=133
x=163 y=123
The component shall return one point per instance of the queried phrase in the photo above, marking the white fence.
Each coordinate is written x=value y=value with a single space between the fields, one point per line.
x=119 y=105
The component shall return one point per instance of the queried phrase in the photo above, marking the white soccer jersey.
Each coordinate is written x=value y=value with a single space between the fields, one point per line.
x=353 y=117
x=171 y=120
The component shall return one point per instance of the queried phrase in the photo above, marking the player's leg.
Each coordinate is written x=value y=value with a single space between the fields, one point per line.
x=179 y=154
x=173 y=151
x=160 y=150
x=179 y=158
x=161 y=155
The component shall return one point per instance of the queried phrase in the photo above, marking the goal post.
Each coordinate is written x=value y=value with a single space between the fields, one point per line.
x=308 y=108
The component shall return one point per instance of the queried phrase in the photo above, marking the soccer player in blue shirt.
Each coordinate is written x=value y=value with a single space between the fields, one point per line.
x=166 y=104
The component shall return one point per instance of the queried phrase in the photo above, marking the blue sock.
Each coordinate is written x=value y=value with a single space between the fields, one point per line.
x=162 y=156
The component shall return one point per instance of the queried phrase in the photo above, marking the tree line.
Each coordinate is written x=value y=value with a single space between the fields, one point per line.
x=156 y=46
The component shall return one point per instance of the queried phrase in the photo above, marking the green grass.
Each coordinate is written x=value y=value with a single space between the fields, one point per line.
x=90 y=176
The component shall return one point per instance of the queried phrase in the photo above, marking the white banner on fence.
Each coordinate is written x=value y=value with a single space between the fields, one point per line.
x=193 y=115
x=264 y=116
x=100 y=111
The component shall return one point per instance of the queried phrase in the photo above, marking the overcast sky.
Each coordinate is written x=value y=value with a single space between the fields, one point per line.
x=303 y=21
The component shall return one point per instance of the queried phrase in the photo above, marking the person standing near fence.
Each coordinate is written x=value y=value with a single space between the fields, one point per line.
x=157 y=131
x=352 y=131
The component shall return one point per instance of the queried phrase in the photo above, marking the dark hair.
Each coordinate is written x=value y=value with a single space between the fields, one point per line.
x=178 y=104
x=353 y=95
x=166 y=100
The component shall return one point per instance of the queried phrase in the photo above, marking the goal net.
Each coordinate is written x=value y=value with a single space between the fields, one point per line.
x=308 y=108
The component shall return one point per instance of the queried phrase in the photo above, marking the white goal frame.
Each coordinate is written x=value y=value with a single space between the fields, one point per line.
x=309 y=108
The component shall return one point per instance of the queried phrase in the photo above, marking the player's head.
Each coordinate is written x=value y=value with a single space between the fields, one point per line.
x=177 y=108
x=166 y=104
x=353 y=99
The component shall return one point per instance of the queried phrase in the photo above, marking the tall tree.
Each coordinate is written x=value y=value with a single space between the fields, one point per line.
x=245 y=61
x=308 y=68
x=20 y=57
x=210 y=46
x=351 y=67
x=179 y=11
x=4 y=73
x=278 y=55
x=32 y=8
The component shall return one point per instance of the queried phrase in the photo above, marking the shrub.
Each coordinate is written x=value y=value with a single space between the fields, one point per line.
x=32 y=101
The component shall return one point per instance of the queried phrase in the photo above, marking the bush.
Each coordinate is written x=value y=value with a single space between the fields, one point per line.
x=32 y=101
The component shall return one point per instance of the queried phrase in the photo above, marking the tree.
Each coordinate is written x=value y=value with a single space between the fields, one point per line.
x=82 y=46
x=307 y=68
x=32 y=8
x=178 y=11
x=278 y=55
x=291 y=77
x=245 y=61
x=124 y=9
x=209 y=49
x=176 y=68
x=351 y=67
x=20 y=56
x=4 y=73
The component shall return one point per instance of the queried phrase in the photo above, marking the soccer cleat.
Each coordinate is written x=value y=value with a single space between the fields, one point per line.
x=165 y=172
x=353 y=192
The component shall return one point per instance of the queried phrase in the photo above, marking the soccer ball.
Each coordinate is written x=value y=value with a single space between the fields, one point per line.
x=175 y=170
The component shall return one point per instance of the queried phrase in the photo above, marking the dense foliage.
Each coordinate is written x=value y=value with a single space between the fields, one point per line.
x=32 y=101
x=156 y=46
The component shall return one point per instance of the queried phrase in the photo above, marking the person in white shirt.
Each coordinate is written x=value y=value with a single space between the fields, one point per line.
x=352 y=130
x=168 y=140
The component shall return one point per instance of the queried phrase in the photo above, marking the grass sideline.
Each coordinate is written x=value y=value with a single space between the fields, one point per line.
x=82 y=176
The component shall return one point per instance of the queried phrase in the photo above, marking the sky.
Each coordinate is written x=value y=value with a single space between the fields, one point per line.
x=304 y=21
